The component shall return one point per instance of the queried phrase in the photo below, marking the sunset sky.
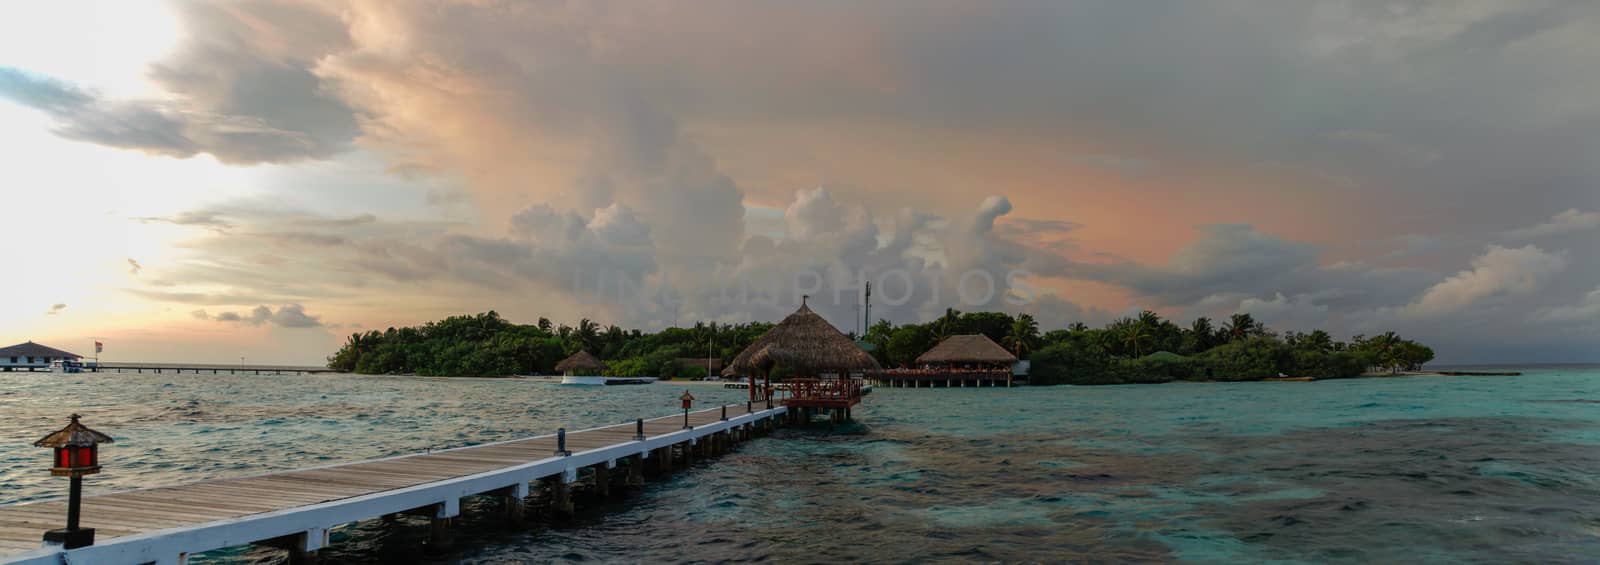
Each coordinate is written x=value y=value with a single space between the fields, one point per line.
x=203 y=181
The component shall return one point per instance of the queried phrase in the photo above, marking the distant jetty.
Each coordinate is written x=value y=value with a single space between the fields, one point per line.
x=1479 y=373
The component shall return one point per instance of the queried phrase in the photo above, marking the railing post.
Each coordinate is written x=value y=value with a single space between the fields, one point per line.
x=638 y=429
x=724 y=412
x=561 y=442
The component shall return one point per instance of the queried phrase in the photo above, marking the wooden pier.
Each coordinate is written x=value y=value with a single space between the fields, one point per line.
x=204 y=368
x=913 y=378
x=294 y=510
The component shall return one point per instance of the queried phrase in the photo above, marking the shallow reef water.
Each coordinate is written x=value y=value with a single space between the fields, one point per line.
x=1414 y=469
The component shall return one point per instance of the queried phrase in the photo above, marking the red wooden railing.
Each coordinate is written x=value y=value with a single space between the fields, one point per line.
x=825 y=390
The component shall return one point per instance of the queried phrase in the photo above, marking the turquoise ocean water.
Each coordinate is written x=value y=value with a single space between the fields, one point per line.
x=1415 y=469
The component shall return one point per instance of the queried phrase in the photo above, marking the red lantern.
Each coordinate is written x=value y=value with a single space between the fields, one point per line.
x=687 y=399
x=77 y=450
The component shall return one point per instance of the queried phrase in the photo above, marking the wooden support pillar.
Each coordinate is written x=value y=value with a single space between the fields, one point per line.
x=560 y=495
x=664 y=460
x=636 y=471
x=514 y=501
x=688 y=454
x=602 y=479
x=302 y=547
x=440 y=523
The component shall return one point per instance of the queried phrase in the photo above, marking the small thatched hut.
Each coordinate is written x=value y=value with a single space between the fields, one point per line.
x=967 y=350
x=581 y=363
x=811 y=347
x=806 y=344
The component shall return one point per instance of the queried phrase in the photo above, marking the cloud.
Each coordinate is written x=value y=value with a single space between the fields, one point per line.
x=286 y=316
x=200 y=314
x=294 y=316
x=212 y=219
x=1499 y=270
x=1568 y=221
x=56 y=309
x=1225 y=258
x=1299 y=312
x=158 y=127
x=1587 y=309
x=134 y=267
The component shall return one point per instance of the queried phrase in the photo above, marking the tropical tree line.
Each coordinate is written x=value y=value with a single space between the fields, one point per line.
x=488 y=345
x=1151 y=349
x=1143 y=348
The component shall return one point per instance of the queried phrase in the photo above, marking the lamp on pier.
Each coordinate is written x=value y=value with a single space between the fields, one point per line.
x=688 y=400
x=77 y=454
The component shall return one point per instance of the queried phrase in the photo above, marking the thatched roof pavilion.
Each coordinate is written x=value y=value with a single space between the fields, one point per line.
x=977 y=348
x=580 y=361
x=806 y=344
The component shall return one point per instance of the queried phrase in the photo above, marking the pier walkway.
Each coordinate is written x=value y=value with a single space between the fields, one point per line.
x=295 y=509
x=197 y=368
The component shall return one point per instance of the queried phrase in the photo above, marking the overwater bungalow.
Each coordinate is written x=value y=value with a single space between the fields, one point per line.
x=31 y=356
x=828 y=368
x=958 y=361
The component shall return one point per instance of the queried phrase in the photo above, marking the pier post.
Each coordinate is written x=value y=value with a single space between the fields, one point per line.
x=663 y=458
x=302 y=547
x=636 y=471
x=560 y=495
x=515 y=503
x=688 y=453
x=602 y=480
x=440 y=534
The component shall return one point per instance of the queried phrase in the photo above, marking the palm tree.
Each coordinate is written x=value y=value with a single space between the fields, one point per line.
x=1150 y=319
x=1136 y=338
x=588 y=335
x=1241 y=326
x=1078 y=327
x=1023 y=335
x=947 y=324
x=1317 y=340
x=1202 y=331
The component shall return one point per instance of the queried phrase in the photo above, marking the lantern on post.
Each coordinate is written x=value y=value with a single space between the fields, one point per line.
x=77 y=454
x=688 y=400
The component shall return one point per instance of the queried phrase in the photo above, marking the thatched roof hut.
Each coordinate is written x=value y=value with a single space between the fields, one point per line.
x=582 y=361
x=977 y=348
x=805 y=343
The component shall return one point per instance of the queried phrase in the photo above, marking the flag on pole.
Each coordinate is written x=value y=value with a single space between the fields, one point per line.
x=99 y=347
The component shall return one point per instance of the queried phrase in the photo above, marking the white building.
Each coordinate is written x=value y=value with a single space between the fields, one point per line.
x=32 y=356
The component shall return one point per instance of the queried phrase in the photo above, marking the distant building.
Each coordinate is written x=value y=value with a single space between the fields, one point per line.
x=32 y=356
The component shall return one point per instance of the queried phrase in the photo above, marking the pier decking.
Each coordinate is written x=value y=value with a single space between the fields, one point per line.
x=295 y=509
x=213 y=369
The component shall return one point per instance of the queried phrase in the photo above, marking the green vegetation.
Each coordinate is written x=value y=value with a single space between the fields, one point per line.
x=488 y=345
x=1142 y=349
x=1149 y=349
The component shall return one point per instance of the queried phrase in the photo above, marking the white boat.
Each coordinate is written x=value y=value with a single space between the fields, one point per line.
x=593 y=381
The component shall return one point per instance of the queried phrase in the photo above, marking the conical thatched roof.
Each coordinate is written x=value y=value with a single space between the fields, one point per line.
x=977 y=348
x=805 y=343
x=581 y=361
x=74 y=435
